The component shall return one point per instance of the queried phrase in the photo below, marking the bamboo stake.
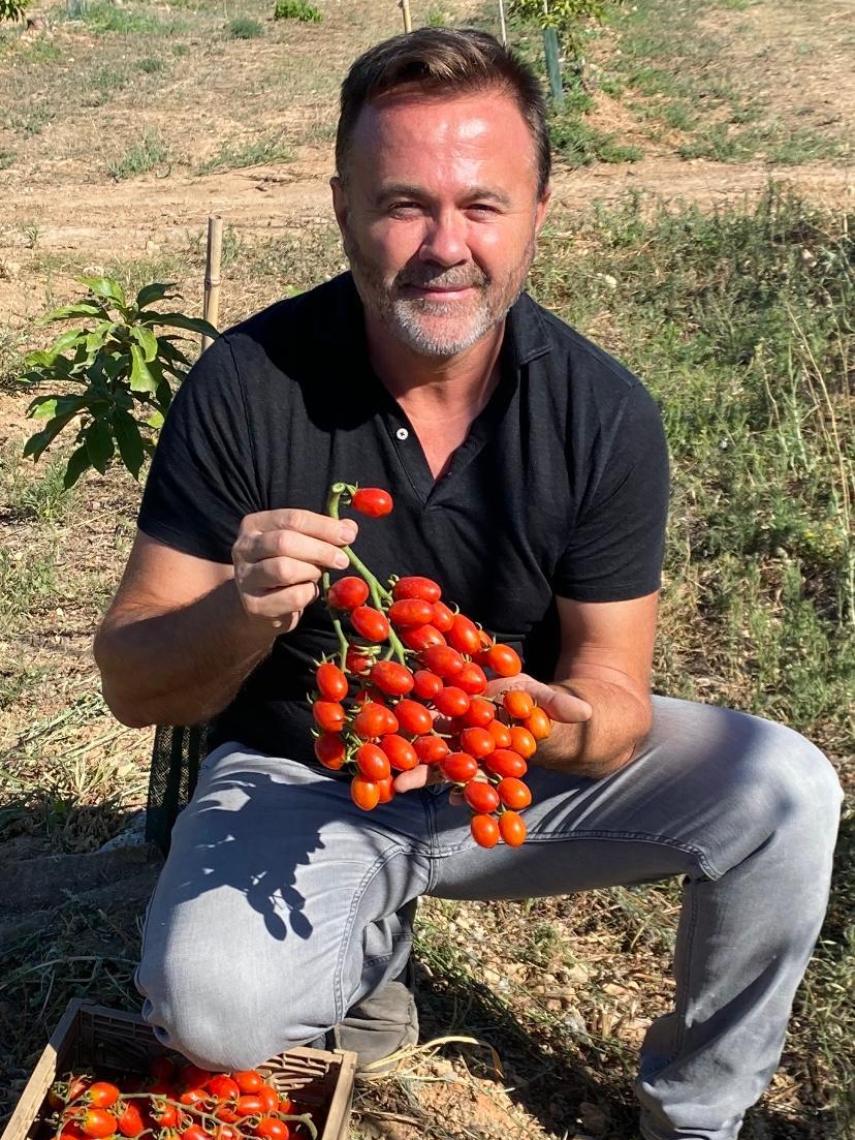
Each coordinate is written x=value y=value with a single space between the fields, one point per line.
x=211 y=311
x=408 y=19
x=502 y=24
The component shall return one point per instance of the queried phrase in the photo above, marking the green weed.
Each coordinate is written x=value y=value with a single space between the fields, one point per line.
x=151 y=65
x=245 y=28
x=297 y=10
x=256 y=153
x=147 y=154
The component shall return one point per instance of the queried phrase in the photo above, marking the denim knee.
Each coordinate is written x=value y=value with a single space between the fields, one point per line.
x=226 y=1019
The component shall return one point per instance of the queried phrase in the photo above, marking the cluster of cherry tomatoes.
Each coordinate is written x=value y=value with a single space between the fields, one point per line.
x=409 y=688
x=176 y=1101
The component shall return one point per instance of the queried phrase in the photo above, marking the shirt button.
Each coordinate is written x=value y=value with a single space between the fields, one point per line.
x=402 y=433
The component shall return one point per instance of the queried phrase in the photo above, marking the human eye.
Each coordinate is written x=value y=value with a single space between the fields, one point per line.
x=403 y=208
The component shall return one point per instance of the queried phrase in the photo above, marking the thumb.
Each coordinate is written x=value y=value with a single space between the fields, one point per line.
x=558 y=703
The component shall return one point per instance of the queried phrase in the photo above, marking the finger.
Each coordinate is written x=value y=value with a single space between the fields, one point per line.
x=275 y=574
x=419 y=777
x=277 y=605
x=556 y=702
x=324 y=527
x=262 y=545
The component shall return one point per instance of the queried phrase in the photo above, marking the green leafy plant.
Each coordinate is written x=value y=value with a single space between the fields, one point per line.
x=245 y=28
x=13 y=9
x=297 y=10
x=123 y=373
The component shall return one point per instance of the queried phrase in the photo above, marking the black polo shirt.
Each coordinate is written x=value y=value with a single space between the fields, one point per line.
x=560 y=488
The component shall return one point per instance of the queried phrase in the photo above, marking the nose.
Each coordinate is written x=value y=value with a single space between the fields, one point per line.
x=444 y=241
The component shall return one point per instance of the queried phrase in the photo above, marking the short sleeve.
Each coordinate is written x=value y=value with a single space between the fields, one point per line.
x=616 y=546
x=202 y=480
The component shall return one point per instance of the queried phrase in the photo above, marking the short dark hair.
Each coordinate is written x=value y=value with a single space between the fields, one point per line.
x=439 y=60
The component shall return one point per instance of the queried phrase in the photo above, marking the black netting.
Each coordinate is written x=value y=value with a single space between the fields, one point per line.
x=178 y=752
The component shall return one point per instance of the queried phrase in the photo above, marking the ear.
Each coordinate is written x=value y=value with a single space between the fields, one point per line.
x=340 y=204
x=541 y=209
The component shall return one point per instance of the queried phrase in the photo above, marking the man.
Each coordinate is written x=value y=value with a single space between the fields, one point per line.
x=529 y=475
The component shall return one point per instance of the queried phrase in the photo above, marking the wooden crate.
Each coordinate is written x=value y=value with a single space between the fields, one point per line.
x=93 y=1037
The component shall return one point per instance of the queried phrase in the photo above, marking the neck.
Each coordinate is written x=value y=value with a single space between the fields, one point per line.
x=435 y=386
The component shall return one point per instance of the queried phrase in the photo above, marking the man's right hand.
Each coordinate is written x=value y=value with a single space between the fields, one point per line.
x=279 y=558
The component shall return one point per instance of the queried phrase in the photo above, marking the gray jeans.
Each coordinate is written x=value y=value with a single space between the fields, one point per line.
x=276 y=910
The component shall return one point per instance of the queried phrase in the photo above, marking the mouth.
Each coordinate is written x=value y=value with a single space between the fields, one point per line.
x=441 y=292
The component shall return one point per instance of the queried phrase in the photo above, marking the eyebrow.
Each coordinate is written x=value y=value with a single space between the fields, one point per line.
x=407 y=190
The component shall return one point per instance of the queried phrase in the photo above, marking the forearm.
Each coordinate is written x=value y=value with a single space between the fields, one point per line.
x=179 y=667
x=603 y=744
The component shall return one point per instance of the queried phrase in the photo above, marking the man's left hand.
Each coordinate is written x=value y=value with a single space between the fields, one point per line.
x=561 y=705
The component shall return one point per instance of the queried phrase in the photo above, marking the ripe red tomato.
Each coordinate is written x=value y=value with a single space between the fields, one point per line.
x=71 y=1131
x=392 y=678
x=430 y=749
x=224 y=1088
x=422 y=637
x=480 y=714
x=504 y=660
x=102 y=1094
x=372 y=501
x=459 y=767
x=481 y=796
x=357 y=662
x=538 y=723
x=370 y=623
x=331 y=682
x=410 y=612
x=374 y=720
x=485 y=830
x=518 y=703
x=442 y=660
x=269 y=1097
x=471 y=678
x=413 y=717
x=402 y=756
x=513 y=793
x=364 y=793
x=347 y=593
x=130 y=1120
x=500 y=733
x=522 y=741
x=269 y=1128
x=443 y=617
x=194 y=1132
x=463 y=635
x=226 y=1132
x=195 y=1097
x=387 y=794
x=286 y=1106
x=513 y=828
x=503 y=763
x=477 y=742
x=251 y=1104
x=426 y=684
x=330 y=749
x=166 y=1115
x=373 y=762
x=329 y=715
x=451 y=701
x=248 y=1080
x=97 y=1122
x=416 y=587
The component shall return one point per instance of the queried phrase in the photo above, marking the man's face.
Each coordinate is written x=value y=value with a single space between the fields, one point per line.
x=439 y=212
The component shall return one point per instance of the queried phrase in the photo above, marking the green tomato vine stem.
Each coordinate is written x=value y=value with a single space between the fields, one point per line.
x=379 y=593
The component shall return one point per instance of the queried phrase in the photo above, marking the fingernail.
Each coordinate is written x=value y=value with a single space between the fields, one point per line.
x=342 y=561
x=348 y=530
